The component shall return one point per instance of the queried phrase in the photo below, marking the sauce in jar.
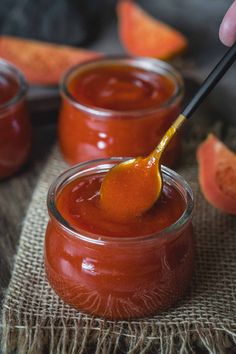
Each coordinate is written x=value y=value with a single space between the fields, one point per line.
x=8 y=88
x=117 y=270
x=15 y=127
x=118 y=107
x=121 y=88
x=79 y=205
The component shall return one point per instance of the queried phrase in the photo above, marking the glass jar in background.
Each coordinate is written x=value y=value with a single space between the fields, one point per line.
x=118 y=277
x=15 y=126
x=119 y=107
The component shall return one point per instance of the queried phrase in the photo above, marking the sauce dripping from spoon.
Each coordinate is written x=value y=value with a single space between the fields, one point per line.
x=133 y=186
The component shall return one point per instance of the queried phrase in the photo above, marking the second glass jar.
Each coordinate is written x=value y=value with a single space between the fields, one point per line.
x=118 y=107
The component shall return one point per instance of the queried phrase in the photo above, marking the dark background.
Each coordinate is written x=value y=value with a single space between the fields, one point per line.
x=92 y=23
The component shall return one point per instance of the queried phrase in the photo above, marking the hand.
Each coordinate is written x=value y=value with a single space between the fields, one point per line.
x=227 y=31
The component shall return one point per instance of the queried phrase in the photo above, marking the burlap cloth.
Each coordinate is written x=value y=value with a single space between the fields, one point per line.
x=35 y=320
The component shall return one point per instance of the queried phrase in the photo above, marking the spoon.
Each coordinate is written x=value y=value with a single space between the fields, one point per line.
x=132 y=187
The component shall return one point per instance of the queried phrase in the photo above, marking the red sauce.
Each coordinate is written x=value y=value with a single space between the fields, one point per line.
x=134 y=185
x=121 y=88
x=126 y=276
x=131 y=112
x=15 y=127
x=8 y=88
x=79 y=204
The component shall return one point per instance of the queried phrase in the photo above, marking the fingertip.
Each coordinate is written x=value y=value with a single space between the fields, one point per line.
x=225 y=34
x=227 y=31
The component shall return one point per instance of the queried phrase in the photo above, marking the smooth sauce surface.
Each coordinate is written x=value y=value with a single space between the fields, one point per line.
x=78 y=203
x=121 y=88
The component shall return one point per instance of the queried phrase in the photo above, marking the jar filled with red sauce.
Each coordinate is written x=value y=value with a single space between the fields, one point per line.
x=15 y=127
x=118 y=107
x=117 y=270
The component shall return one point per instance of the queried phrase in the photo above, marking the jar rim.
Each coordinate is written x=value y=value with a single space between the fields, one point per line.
x=70 y=174
x=149 y=64
x=9 y=68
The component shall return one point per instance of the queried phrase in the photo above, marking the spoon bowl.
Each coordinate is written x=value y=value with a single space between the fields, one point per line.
x=122 y=190
x=132 y=187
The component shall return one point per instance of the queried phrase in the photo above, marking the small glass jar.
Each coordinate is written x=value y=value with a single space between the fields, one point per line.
x=118 y=277
x=87 y=131
x=15 y=126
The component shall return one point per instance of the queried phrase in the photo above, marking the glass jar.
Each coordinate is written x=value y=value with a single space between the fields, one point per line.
x=88 y=131
x=118 y=277
x=15 y=126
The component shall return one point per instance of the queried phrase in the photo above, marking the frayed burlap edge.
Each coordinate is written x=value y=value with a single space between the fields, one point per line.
x=70 y=337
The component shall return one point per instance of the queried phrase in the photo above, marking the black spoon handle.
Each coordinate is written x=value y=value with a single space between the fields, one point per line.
x=211 y=80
